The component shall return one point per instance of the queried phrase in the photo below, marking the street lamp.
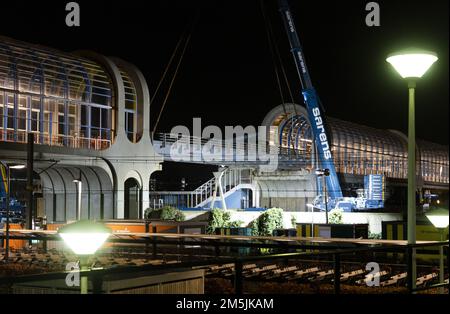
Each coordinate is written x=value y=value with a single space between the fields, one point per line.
x=439 y=219
x=324 y=173
x=79 y=184
x=8 y=191
x=411 y=65
x=84 y=238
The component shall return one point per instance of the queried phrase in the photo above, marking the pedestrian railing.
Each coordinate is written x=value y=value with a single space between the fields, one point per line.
x=240 y=269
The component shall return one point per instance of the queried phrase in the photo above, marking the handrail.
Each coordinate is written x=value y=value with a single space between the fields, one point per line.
x=97 y=275
x=72 y=141
x=230 y=179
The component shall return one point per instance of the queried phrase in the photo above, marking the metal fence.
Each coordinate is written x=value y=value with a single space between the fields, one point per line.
x=333 y=252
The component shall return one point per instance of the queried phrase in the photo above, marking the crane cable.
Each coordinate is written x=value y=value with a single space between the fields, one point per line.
x=186 y=43
x=275 y=52
x=183 y=35
x=280 y=60
x=272 y=54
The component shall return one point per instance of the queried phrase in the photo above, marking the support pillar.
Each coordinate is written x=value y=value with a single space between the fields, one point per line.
x=145 y=193
x=218 y=187
x=120 y=199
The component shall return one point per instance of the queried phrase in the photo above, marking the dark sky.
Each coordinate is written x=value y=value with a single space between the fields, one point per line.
x=227 y=75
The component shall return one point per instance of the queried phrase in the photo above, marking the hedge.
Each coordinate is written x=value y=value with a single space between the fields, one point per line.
x=165 y=213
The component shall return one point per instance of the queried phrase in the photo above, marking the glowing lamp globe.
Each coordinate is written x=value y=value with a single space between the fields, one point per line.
x=438 y=217
x=84 y=237
x=412 y=63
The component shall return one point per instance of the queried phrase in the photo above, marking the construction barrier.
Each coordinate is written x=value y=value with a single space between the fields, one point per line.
x=397 y=230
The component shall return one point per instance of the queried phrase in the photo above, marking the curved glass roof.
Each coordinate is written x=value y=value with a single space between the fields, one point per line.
x=33 y=70
x=359 y=149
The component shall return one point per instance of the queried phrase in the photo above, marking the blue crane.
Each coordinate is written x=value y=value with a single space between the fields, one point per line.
x=319 y=129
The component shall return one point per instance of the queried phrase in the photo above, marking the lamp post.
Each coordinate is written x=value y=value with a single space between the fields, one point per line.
x=8 y=188
x=411 y=65
x=439 y=219
x=84 y=238
x=79 y=184
x=324 y=173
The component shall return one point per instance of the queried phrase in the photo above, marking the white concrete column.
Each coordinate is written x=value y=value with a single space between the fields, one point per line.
x=211 y=206
x=218 y=186
x=145 y=192
x=120 y=198
x=222 y=197
x=256 y=194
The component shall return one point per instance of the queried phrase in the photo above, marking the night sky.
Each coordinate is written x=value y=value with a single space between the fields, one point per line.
x=227 y=75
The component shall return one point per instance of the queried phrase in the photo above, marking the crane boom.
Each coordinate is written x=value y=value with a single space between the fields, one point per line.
x=311 y=100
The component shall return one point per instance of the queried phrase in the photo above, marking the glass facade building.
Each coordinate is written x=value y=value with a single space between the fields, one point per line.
x=88 y=113
x=358 y=149
x=64 y=99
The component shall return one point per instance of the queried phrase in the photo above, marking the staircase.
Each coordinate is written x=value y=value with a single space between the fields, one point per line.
x=232 y=180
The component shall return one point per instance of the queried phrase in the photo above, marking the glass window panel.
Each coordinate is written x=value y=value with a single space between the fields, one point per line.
x=61 y=108
x=72 y=125
x=22 y=123
x=10 y=118
x=104 y=113
x=61 y=124
x=47 y=122
x=130 y=122
x=83 y=114
x=130 y=104
x=34 y=121
x=95 y=117
x=36 y=86
x=36 y=103
x=10 y=99
x=1 y=108
x=95 y=132
x=72 y=108
x=22 y=101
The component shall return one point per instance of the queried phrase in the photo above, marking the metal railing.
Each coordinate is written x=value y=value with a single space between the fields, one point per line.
x=20 y=136
x=231 y=179
x=312 y=250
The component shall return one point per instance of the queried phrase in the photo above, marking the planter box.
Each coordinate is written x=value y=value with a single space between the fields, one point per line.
x=284 y=233
x=234 y=231
x=351 y=231
x=190 y=227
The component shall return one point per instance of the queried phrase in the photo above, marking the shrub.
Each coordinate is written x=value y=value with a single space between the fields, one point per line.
x=235 y=224
x=268 y=221
x=165 y=213
x=215 y=220
x=219 y=218
x=254 y=226
x=374 y=235
x=335 y=216
x=293 y=221
x=147 y=212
